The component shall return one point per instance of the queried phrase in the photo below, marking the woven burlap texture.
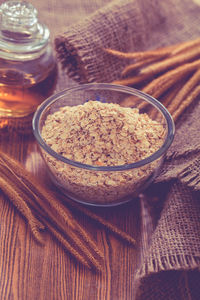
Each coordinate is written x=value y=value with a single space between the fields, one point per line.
x=175 y=243
x=125 y=25
x=170 y=267
x=175 y=246
x=81 y=48
x=183 y=158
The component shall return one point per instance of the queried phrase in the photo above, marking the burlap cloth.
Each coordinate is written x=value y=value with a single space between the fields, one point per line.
x=170 y=268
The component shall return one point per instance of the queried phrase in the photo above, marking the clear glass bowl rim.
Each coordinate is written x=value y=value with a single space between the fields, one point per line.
x=105 y=86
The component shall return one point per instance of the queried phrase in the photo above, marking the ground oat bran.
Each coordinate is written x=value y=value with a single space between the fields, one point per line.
x=101 y=134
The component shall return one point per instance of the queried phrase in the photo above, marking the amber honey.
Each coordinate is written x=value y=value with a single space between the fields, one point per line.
x=22 y=100
x=27 y=65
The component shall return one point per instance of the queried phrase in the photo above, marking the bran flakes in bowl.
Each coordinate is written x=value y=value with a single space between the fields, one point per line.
x=101 y=134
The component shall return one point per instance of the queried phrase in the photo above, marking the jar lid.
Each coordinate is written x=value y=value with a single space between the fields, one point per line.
x=20 y=32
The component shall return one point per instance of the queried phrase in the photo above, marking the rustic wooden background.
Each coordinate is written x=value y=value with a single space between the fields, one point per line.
x=31 y=271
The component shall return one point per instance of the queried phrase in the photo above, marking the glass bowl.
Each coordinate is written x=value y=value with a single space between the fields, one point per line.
x=103 y=184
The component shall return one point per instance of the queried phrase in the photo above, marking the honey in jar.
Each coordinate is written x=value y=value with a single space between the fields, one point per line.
x=27 y=65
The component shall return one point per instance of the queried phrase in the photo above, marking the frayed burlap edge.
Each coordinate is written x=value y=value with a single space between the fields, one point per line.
x=180 y=264
x=68 y=54
x=191 y=175
x=156 y=263
x=186 y=171
x=171 y=262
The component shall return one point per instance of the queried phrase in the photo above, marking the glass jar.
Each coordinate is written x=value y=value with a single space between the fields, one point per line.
x=27 y=65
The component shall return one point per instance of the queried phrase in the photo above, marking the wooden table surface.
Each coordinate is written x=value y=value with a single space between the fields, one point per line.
x=31 y=271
